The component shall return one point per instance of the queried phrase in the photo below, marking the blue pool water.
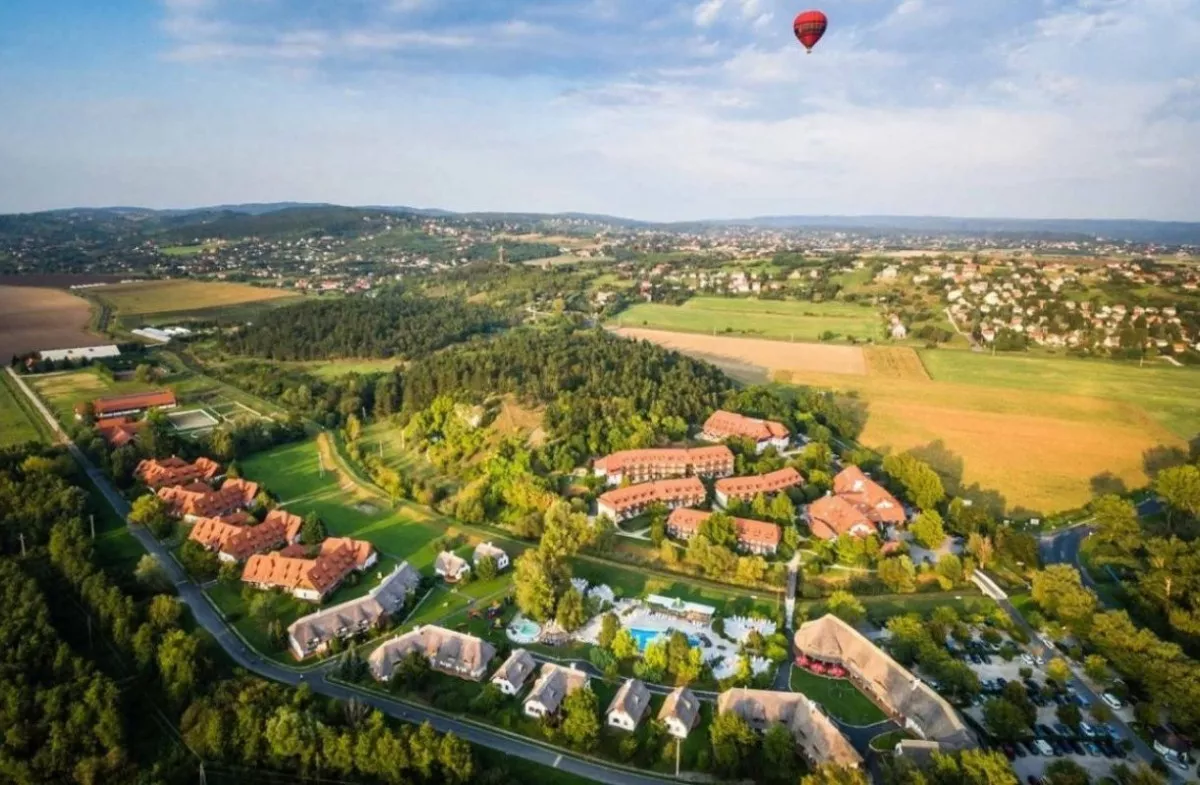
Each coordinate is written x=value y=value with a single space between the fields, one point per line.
x=644 y=637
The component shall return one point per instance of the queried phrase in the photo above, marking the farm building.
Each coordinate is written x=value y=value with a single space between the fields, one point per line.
x=313 y=633
x=755 y=536
x=829 y=642
x=632 y=500
x=722 y=425
x=134 y=403
x=815 y=733
x=553 y=686
x=449 y=652
x=746 y=488
x=658 y=464
x=80 y=353
x=119 y=431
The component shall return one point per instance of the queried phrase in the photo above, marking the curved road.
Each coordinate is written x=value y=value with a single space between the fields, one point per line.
x=206 y=615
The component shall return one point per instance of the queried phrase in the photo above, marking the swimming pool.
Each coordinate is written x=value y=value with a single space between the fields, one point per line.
x=644 y=637
x=523 y=631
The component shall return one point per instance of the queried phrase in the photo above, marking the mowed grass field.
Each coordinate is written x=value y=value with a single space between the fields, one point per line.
x=18 y=423
x=61 y=391
x=155 y=297
x=1035 y=430
x=785 y=320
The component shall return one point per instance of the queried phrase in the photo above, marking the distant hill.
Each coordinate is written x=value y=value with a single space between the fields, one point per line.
x=279 y=218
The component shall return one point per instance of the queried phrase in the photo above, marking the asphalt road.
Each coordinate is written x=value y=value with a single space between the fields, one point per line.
x=208 y=618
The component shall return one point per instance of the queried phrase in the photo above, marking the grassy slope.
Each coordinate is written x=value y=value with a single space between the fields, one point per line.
x=180 y=295
x=783 y=320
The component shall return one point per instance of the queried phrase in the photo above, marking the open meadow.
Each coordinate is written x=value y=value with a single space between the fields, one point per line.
x=785 y=320
x=19 y=423
x=1035 y=430
x=34 y=318
x=157 y=297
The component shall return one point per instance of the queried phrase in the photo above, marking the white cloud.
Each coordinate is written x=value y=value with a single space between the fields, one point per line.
x=706 y=13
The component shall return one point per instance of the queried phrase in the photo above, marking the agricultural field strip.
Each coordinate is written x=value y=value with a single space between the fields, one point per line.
x=18 y=422
x=763 y=318
x=157 y=297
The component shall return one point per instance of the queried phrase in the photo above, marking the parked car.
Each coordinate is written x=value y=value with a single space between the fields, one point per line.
x=1021 y=750
x=1027 y=659
x=1076 y=747
x=1062 y=730
x=1045 y=731
x=1043 y=747
x=1082 y=701
x=1112 y=700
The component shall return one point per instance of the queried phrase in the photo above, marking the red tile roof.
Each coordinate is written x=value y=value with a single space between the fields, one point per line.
x=157 y=473
x=322 y=574
x=119 y=431
x=722 y=425
x=750 y=532
x=240 y=542
x=202 y=501
x=133 y=402
x=361 y=549
x=292 y=524
x=748 y=487
x=832 y=516
x=686 y=488
x=868 y=496
x=679 y=460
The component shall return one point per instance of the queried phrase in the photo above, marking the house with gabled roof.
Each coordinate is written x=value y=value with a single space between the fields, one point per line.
x=485 y=550
x=622 y=503
x=553 y=686
x=746 y=488
x=451 y=567
x=512 y=675
x=761 y=537
x=679 y=712
x=723 y=425
x=816 y=735
x=628 y=705
x=312 y=634
x=447 y=651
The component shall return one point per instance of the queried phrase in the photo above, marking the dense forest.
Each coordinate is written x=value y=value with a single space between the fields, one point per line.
x=391 y=325
x=602 y=392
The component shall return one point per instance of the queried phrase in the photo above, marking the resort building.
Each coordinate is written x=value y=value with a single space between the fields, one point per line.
x=136 y=403
x=364 y=552
x=830 y=642
x=304 y=578
x=119 y=431
x=486 y=549
x=679 y=712
x=746 y=488
x=871 y=498
x=759 y=537
x=158 y=473
x=622 y=503
x=722 y=425
x=832 y=516
x=449 y=652
x=661 y=463
x=292 y=524
x=553 y=686
x=628 y=705
x=199 y=500
x=234 y=543
x=313 y=633
x=816 y=735
x=512 y=675
x=450 y=567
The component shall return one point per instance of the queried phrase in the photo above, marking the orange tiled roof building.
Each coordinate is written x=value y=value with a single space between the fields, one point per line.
x=157 y=473
x=309 y=579
x=746 y=488
x=199 y=500
x=858 y=506
x=661 y=463
x=760 y=537
x=723 y=425
x=622 y=503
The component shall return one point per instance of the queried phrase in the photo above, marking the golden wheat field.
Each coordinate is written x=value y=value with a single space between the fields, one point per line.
x=774 y=357
x=179 y=295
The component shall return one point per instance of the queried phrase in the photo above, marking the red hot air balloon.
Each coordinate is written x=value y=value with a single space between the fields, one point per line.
x=809 y=27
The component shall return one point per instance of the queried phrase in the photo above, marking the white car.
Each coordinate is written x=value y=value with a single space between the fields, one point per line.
x=1027 y=659
x=1087 y=730
x=1112 y=700
x=1044 y=748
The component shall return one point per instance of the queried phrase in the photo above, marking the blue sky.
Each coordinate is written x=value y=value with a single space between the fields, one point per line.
x=657 y=109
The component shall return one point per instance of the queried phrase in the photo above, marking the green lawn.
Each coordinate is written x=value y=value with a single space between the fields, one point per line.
x=838 y=696
x=1166 y=393
x=967 y=602
x=783 y=320
x=17 y=418
x=334 y=368
x=61 y=391
x=293 y=474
